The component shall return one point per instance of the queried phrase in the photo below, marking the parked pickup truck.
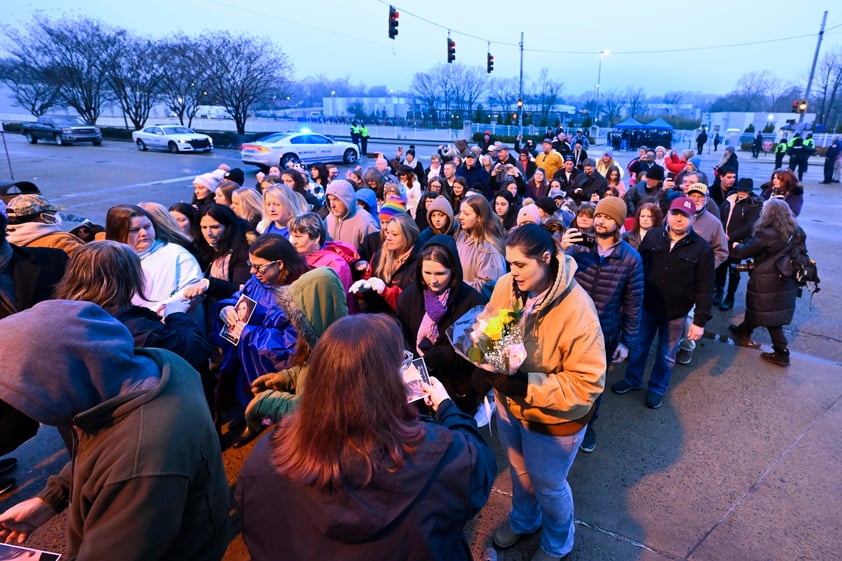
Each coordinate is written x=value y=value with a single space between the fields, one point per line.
x=63 y=129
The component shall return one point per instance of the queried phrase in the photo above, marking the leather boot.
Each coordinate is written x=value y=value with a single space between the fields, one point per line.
x=727 y=302
x=717 y=296
x=778 y=358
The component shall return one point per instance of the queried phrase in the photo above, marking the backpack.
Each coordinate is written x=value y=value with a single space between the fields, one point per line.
x=796 y=263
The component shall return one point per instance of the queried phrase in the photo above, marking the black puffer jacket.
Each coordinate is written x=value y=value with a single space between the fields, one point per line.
x=770 y=299
x=442 y=362
x=739 y=216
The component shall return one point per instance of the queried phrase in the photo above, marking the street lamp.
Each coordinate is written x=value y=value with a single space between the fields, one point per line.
x=606 y=52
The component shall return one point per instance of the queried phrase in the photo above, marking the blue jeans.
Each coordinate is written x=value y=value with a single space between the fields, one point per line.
x=540 y=493
x=669 y=335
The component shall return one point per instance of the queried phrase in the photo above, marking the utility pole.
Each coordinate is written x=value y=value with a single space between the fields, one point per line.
x=813 y=68
x=520 y=94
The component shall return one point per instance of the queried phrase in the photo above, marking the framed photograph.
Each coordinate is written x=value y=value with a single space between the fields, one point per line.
x=415 y=373
x=244 y=308
x=9 y=552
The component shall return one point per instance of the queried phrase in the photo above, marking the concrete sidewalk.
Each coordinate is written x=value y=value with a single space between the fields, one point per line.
x=742 y=462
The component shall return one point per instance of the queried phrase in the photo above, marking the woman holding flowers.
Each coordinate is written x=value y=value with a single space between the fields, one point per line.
x=544 y=407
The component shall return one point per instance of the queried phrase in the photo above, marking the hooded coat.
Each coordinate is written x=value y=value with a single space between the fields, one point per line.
x=39 y=234
x=146 y=479
x=312 y=303
x=442 y=361
x=565 y=362
x=418 y=511
x=356 y=224
x=440 y=204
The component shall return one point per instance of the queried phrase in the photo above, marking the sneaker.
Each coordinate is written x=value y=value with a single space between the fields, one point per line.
x=777 y=358
x=505 y=537
x=7 y=465
x=684 y=356
x=589 y=441
x=622 y=387
x=7 y=484
x=654 y=400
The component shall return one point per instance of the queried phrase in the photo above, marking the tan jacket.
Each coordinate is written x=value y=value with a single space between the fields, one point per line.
x=565 y=351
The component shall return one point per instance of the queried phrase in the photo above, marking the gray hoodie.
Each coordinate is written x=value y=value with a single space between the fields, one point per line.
x=356 y=224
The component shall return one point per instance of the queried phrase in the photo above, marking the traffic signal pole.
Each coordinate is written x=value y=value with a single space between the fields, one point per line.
x=520 y=94
x=813 y=68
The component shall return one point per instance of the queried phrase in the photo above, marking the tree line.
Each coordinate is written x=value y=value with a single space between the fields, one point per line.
x=83 y=64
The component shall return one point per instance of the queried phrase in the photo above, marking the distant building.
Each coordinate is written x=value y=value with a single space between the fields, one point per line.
x=737 y=121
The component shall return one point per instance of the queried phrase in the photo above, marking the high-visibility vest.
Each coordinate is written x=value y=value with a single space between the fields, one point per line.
x=363 y=131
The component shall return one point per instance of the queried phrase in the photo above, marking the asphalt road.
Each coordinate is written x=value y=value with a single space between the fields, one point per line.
x=687 y=480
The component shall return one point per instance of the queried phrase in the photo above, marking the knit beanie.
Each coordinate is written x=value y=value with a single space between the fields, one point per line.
x=393 y=206
x=207 y=180
x=528 y=214
x=613 y=207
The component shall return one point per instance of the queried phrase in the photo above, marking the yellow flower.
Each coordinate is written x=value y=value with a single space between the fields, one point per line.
x=494 y=329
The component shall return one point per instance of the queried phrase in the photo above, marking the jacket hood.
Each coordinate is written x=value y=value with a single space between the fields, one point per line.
x=313 y=302
x=564 y=280
x=344 y=191
x=441 y=204
x=448 y=244
x=53 y=376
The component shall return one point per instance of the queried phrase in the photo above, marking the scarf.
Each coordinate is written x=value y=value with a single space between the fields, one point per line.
x=156 y=245
x=436 y=307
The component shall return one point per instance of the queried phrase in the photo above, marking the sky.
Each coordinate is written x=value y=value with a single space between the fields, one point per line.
x=647 y=41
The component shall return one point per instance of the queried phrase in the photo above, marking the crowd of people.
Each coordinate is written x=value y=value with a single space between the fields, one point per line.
x=297 y=300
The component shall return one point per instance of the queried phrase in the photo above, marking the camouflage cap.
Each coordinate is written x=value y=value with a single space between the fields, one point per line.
x=26 y=205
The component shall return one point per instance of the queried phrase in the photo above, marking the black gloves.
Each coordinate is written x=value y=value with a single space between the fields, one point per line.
x=512 y=386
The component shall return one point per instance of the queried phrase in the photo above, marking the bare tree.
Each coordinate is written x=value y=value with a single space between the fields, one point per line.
x=546 y=94
x=828 y=94
x=246 y=71
x=27 y=86
x=503 y=93
x=611 y=107
x=751 y=90
x=468 y=84
x=635 y=98
x=70 y=55
x=184 y=83
x=427 y=94
x=135 y=75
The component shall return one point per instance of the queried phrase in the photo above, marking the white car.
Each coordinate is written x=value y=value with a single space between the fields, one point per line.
x=174 y=138
x=283 y=148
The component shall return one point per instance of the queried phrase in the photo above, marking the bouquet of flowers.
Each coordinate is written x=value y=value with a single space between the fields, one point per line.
x=492 y=343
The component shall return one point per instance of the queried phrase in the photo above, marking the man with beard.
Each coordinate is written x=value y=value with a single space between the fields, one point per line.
x=611 y=272
x=678 y=274
x=550 y=160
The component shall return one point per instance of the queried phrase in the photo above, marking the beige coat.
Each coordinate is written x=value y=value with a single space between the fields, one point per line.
x=565 y=350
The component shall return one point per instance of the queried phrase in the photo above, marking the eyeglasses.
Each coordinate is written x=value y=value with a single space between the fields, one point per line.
x=261 y=268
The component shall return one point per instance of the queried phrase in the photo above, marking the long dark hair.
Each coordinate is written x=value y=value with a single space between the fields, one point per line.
x=354 y=373
x=510 y=219
x=273 y=247
x=232 y=238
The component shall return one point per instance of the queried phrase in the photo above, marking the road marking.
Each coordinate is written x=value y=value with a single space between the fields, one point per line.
x=188 y=178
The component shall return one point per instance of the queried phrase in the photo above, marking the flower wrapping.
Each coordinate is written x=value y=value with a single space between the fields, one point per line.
x=491 y=341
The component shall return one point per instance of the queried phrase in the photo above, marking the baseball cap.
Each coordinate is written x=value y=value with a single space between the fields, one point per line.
x=698 y=188
x=683 y=205
x=27 y=205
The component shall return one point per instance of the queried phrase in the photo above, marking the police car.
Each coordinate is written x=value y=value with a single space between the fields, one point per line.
x=284 y=148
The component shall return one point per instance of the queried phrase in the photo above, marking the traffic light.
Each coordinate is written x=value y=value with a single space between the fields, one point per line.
x=489 y=66
x=795 y=106
x=802 y=106
x=451 y=50
x=393 y=22
x=520 y=104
